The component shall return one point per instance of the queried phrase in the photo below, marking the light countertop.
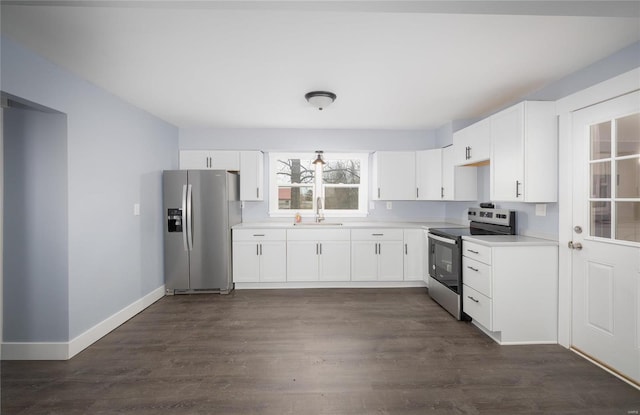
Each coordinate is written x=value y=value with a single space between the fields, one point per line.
x=338 y=224
x=509 y=240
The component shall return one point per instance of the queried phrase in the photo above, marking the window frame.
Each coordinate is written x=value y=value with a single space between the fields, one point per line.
x=319 y=185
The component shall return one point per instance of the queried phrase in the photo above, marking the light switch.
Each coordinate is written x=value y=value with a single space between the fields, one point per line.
x=541 y=209
x=372 y=205
x=136 y=209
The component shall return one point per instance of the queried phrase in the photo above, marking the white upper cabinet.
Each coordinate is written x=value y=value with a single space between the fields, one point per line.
x=394 y=175
x=251 y=175
x=524 y=153
x=458 y=182
x=429 y=174
x=209 y=160
x=472 y=144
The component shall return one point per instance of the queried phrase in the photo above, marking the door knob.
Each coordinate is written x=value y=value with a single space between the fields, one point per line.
x=577 y=246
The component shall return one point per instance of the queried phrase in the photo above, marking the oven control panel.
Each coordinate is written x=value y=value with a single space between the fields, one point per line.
x=503 y=217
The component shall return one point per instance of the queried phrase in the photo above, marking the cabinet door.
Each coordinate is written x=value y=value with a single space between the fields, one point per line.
x=302 y=261
x=364 y=261
x=448 y=174
x=335 y=261
x=413 y=254
x=195 y=160
x=429 y=174
x=251 y=175
x=246 y=262
x=395 y=174
x=273 y=261
x=472 y=144
x=225 y=160
x=507 y=155
x=390 y=261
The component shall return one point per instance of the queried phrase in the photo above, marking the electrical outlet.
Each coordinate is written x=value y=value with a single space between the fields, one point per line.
x=389 y=206
x=541 y=209
x=136 y=209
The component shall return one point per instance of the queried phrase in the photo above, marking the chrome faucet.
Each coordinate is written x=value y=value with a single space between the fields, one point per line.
x=319 y=215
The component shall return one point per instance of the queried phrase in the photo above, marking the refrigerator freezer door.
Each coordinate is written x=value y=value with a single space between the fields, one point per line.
x=176 y=255
x=210 y=264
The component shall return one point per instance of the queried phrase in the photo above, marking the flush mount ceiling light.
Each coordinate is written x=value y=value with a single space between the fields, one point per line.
x=318 y=159
x=320 y=99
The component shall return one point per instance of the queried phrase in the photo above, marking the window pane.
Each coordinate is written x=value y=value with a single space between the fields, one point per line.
x=341 y=198
x=600 y=214
x=292 y=171
x=601 y=141
x=628 y=135
x=628 y=221
x=297 y=198
x=628 y=178
x=342 y=172
x=601 y=180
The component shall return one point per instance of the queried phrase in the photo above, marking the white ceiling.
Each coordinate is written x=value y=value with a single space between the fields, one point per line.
x=393 y=64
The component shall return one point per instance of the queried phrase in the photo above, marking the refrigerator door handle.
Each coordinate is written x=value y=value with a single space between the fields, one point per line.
x=184 y=217
x=189 y=209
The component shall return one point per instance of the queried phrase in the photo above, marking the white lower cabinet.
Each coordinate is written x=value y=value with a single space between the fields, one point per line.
x=377 y=255
x=318 y=255
x=414 y=252
x=259 y=255
x=511 y=291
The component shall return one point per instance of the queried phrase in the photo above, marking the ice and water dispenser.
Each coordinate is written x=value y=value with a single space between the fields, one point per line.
x=174 y=216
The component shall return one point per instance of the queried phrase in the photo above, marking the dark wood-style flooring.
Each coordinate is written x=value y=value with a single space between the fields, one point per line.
x=346 y=351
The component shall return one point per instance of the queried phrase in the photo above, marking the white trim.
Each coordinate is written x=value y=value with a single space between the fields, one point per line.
x=601 y=366
x=328 y=284
x=66 y=350
x=603 y=91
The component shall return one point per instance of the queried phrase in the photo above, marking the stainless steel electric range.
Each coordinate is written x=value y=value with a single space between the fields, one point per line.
x=445 y=254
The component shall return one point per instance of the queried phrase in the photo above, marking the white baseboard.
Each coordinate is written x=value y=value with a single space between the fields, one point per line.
x=66 y=350
x=328 y=284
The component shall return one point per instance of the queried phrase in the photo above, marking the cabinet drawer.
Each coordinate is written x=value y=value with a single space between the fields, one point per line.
x=259 y=234
x=318 y=235
x=476 y=275
x=380 y=234
x=478 y=306
x=476 y=251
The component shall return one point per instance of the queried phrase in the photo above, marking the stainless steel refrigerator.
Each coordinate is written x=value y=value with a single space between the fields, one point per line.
x=200 y=206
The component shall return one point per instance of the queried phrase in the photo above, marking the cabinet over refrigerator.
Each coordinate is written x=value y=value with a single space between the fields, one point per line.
x=200 y=206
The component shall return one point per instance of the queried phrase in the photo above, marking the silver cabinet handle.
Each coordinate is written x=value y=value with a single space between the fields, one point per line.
x=442 y=192
x=406 y=250
x=375 y=248
x=472 y=251
x=258 y=234
x=257 y=193
x=518 y=194
x=260 y=249
x=472 y=268
x=473 y=299
x=417 y=192
x=320 y=249
x=378 y=193
x=317 y=249
x=257 y=249
x=377 y=234
x=379 y=249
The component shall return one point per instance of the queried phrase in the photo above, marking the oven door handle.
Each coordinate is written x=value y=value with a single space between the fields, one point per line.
x=445 y=240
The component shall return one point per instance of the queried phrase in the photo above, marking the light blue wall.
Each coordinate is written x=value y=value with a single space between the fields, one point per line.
x=115 y=155
x=36 y=286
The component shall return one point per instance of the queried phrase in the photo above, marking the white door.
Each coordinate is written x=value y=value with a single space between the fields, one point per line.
x=429 y=174
x=507 y=155
x=364 y=261
x=335 y=261
x=302 y=260
x=606 y=238
x=390 y=261
x=396 y=175
x=413 y=255
x=246 y=262
x=273 y=261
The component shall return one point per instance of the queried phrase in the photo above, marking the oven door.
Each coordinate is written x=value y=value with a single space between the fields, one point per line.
x=444 y=261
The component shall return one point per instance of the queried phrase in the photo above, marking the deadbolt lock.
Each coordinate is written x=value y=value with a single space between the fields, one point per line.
x=577 y=229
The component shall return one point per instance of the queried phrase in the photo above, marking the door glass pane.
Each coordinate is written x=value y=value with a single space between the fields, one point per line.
x=600 y=217
x=601 y=141
x=628 y=135
x=628 y=221
x=628 y=178
x=341 y=198
x=601 y=180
